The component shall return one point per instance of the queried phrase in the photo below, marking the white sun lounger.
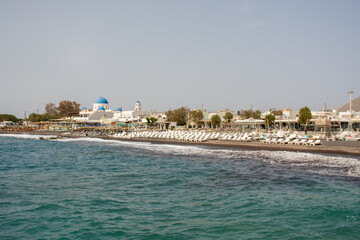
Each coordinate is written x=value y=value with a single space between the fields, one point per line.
x=317 y=142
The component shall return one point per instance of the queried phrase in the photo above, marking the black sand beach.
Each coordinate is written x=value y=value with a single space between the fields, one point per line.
x=327 y=147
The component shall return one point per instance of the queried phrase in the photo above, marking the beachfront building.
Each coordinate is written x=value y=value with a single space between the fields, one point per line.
x=100 y=111
x=347 y=120
x=325 y=121
x=85 y=112
x=6 y=123
x=286 y=119
x=102 y=114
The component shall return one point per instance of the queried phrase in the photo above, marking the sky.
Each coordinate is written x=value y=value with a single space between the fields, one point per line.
x=167 y=54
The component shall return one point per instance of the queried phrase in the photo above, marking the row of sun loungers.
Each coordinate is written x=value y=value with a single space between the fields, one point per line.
x=190 y=136
x=201 y=136
x=296 y=141
x=182 y=136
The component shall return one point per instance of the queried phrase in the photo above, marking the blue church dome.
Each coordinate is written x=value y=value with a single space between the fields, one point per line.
x=101 y=108
x=137 y=101
x=101 y=100
x=83 y=108
x=118 y=109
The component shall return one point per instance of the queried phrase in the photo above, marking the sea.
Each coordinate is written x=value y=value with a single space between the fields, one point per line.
x=88 y=188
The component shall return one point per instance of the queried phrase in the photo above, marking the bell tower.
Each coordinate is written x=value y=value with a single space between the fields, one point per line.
x=137 y=106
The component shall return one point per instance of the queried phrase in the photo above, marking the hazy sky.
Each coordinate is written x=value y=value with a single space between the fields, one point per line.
x=167 y=54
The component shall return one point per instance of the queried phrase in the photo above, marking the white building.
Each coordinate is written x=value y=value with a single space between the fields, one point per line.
x=101 y=112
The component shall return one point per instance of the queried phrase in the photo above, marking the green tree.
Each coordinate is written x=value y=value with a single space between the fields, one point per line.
x=33 y=117
x=256 y=114
x=269 y=120
x=68 y=108
x=196 y=116
x=246 y=114
x=180 y=115
x=215 y=121
x=228 y=117
x=9 y=117
x=304 y=116
x=151 y=121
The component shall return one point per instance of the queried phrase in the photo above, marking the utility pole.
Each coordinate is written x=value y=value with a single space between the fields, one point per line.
x=350 y=93
x=327 y=119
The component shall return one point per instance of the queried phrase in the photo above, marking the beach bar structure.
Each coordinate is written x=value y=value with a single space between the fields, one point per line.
x=248 y=124
x=55 y=124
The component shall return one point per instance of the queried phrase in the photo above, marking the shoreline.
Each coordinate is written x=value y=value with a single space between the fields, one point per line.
x=334 y=148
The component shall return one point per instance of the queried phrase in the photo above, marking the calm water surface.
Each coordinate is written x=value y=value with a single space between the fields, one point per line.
x=97 y=189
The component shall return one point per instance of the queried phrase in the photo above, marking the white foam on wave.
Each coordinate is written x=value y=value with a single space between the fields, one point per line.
x=103 y=141
x=83 y=139
x=326 y=164
x=27 y=136
x=160 y=148
x=322 y=164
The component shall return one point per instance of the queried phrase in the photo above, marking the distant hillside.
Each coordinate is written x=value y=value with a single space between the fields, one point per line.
x=355 y=105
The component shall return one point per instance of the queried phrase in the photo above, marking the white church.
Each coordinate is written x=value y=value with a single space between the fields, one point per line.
x=102 y=113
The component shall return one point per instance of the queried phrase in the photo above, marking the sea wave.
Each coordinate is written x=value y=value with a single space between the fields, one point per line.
x=312 y=162
x=26 y=136
x=321 y=164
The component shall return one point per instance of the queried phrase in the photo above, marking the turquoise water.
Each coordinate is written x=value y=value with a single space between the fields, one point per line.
x=97 y=189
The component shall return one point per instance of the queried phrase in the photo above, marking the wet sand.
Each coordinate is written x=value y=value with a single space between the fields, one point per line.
x=327 y=147
x=346 y=148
